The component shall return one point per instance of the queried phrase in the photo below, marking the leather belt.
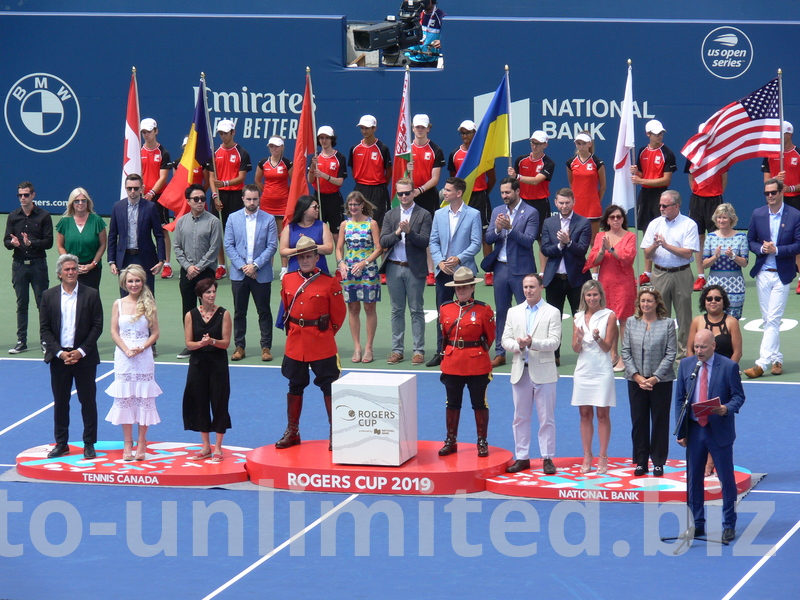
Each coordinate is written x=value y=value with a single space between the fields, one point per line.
x=399 y=263
x=561 y=276
x=304 y=322
x=132 y=251
x=772 y=270
x=671 y=269
x=463 y=344
x=28 y=261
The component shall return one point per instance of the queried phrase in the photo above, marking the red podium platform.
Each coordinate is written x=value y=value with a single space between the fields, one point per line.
x=617 y=485
x=166 y=463
x=308 y=467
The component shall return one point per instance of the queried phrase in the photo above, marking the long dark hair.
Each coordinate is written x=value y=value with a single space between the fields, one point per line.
x=303 y=204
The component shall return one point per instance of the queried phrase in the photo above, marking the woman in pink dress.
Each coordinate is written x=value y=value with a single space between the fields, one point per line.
x=614 y=251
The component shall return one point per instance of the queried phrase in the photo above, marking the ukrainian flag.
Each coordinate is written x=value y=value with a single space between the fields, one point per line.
x=491 y=141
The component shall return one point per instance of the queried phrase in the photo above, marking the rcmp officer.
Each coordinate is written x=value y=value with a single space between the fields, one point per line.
x=314 y=311
x=468 y=330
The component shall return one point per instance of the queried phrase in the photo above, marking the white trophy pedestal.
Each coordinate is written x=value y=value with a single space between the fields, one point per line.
x=374 y=419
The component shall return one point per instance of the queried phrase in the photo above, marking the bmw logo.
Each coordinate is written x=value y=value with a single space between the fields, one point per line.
x=42 y=112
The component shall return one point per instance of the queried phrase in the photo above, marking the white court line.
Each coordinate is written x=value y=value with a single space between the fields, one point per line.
x=44 y=408
x=764 y=559
x=266 y=557
x=771 y=492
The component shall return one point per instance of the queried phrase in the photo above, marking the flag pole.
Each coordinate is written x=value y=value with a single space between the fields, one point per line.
x=508 y=89
x=780 y=114
x=214 y=189
x=314 y=133
x=631 y=154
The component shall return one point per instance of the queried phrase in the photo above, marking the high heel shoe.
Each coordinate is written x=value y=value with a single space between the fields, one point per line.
x=356 y=356
x=587 y=463
x=602 y=464
x=141 y=451
x=127 y=452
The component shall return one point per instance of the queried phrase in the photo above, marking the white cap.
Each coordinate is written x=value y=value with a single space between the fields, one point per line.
x=654 y=126
x=325 y=130
x=540 y=136
x=226 y=125
x=583 y=137
x=368 y=121
x=468 y=125
x=148 y=125
x=274 y=141
x=420 y=119
x=787 y=127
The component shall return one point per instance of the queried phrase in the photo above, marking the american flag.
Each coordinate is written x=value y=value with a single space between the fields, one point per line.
x=741 y=130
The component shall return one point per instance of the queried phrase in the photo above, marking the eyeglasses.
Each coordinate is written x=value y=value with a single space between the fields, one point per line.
x=197 y=198
x=25 y=195
x=351 y=205
x=666 y=205
x=614 y=217
x=537 y=143
x=80 y=201
x=133 y=189
x=314 y=207
x=769 y=193
x=408 y=193
x=713 y=298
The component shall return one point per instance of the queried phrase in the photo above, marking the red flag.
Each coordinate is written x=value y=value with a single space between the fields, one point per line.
x=402 y=146
x=131 y=152
x=741 y=130
x=197 y=152
x=306 y=144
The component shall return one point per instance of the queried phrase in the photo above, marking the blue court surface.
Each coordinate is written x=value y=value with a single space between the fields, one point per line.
x=103 y=541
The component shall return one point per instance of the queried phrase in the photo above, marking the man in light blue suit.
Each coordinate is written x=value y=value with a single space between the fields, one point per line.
x=512 y=230
x=456 y=238
x=251 y=240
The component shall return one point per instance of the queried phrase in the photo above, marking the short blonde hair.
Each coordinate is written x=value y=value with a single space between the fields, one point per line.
x=726 y=209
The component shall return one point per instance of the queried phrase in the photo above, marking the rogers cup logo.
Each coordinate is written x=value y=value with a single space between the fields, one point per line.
x=42 y=112
x=727 y=52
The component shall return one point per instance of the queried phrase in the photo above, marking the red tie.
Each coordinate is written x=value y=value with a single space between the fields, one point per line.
x=703 y=420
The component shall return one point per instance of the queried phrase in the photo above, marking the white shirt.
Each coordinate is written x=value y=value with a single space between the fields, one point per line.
x=680 y=232
x=69 y=305
x=454 y=216
x=398 y=252
x=503 y=257
x=774 y=230
x=250 y=221
x=531 y=316
x=565 y=221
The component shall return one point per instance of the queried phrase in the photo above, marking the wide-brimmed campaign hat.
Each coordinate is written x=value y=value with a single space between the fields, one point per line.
x=304 y=245
x=463 y=276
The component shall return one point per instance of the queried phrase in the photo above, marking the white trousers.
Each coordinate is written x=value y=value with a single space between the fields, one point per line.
x=772 y=297
x=526 y=393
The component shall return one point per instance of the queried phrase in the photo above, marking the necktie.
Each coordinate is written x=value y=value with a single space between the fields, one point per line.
x=703 y=420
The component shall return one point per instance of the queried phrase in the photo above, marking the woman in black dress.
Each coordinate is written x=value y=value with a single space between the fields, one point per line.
x=207 y=330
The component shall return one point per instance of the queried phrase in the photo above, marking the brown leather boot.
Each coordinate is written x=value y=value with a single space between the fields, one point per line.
x=291 y=437
x=482 y=424
x=330 y=426
x=452 y=417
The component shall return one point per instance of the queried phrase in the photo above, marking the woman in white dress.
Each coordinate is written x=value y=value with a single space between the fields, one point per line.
x=134 y=329
x=593 y=386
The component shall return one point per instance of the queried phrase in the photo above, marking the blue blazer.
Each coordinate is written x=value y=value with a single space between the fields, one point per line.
x=465 y=242
x=788 y=242
x=725 y=383
x=574 y=255
x=519 y=239
x=266 y=244
x=148 y=223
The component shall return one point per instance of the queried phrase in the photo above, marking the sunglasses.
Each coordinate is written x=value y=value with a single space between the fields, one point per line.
x=197 y=198
x=405 y=193
x=666 y=205
x=771 y=193
x=133 y=189
x=26 y=195
x=713 y=298
x=614 y=217
x=80 y=201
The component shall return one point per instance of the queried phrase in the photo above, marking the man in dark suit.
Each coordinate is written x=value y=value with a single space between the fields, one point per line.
x=718 y=377
x=129 y=244
x=405 y=235
x=512 y=230
x=774 y=237
x=566 y=237
x=71 y=321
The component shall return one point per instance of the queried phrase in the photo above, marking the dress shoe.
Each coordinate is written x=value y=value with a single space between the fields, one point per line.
x=658 y=471
x=548 y=467
x=640 y=471
x=728 y=535
x=88 y=451
x=238 y=354
x=777 y=368
x=520 y=465
x=417 y=359
x=59 y=450
x=558 y=361
x=753 y=372
x=266 y=355
x=435 y=361
x=693 y=532
x=498 y=361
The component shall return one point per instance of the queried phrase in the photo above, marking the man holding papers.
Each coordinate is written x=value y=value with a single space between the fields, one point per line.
x=713 y=431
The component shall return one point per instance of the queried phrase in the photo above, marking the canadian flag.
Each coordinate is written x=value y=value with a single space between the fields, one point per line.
x=131 y=152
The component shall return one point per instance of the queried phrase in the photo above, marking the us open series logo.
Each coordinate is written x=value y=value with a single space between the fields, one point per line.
x=727 y=52
x=42 y=112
